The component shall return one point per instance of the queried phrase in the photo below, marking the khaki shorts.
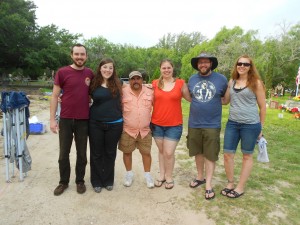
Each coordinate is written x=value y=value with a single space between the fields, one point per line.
x=204 y=141
x=128 y=144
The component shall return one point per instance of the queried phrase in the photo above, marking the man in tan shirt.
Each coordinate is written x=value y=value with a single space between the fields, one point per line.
x=137 y=102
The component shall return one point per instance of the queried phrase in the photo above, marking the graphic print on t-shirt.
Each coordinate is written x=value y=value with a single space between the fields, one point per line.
x=204 y=91
x=87 y=81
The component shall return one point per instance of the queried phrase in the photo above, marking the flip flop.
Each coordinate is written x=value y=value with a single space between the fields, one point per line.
x=198 y=183
x=209 y=192
x=226 y=191
x=235 y=194
x=159 y=183
x=169 y=183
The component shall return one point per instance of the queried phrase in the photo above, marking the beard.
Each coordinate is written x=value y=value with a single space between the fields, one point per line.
x=136 y=86
x=205 y=71
x=79 y=63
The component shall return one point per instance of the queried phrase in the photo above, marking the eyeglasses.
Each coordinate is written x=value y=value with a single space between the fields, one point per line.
x=243 y=64
x=206 y=62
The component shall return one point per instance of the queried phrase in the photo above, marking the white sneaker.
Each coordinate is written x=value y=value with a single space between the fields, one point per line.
x=128 y=179
x=149 y=180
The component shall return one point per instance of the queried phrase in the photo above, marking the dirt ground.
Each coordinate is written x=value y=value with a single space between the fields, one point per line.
x=32 y=201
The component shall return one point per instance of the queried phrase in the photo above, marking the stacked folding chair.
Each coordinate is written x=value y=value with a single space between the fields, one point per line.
x=15 y=109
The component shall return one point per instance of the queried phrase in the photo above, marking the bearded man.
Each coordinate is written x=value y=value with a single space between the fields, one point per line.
x=203 y=140
x=73 y=81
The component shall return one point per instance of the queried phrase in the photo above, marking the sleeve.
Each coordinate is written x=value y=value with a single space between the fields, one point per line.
x=57 y=80
x=224 y=87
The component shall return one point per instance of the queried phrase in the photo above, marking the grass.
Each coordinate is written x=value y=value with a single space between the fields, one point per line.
x=272 y=193
x=45 y=90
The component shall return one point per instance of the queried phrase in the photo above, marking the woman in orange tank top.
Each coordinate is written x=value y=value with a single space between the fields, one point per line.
x=167 y=120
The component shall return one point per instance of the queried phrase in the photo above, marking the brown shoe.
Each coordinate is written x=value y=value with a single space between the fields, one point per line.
x=81 y=188
x=60 y=189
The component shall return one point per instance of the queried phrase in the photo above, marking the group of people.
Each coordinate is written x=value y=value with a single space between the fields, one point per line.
x=115 y=115
x=209 y=90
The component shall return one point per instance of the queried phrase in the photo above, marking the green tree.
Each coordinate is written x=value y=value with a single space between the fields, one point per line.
x=129 y=58
x=27 y=48
x=51 y=50
x=98 y=48
x=232 y=43
x=281 y=57
x=154 y=59
x=288 y=56
x=227 y=45
x=180 y=44
x=17 y=28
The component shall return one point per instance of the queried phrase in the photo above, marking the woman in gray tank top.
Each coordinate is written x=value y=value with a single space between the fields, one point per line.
x=246 y=95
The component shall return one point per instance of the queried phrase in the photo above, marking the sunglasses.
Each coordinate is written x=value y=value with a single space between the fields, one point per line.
x=243 y=64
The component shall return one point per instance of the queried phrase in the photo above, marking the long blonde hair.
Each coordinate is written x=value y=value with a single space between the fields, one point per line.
x=253 y=75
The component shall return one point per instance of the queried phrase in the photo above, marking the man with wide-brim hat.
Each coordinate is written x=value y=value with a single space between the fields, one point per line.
x=207 y=87
x=214 y=61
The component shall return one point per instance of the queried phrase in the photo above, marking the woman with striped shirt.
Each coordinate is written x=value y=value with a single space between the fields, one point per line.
x=246 y=94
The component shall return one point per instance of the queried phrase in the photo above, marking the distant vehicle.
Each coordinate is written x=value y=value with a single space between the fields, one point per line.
x=125 y=80
x=288 y=90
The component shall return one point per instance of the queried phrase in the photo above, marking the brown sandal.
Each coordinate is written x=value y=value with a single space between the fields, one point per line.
x=159 y=183
x=207 y=192
x=225 y=191
x=167 y=185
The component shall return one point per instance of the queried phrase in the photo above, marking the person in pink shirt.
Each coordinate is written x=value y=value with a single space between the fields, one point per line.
x=137 y=102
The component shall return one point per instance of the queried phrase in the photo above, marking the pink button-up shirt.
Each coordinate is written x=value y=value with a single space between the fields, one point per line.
x=137 y=111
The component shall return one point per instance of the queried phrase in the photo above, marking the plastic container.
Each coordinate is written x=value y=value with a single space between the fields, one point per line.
x=37 y=128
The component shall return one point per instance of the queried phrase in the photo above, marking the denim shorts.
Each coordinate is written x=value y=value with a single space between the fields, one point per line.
x=166 y=132
x=236 y=132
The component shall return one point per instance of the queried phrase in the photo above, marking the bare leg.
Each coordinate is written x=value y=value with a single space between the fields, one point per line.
x=229 y=169
x=245 y=173
x=159 y=143
x=209 y=169
x=146 y=161
x=169 y=158
x=199 y=159
x=127 y=159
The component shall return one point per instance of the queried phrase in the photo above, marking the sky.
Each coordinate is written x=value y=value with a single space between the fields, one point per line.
x=142 y=23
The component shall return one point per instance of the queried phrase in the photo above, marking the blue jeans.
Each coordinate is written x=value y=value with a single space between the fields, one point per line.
x=246 y=133
x=168 y=132
x=103 y=138
x=70 y=129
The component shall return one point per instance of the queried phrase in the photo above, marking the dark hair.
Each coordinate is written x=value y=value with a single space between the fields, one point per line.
x=253 y=75
x=113 y=83
x=160 y=79
x=78 y=45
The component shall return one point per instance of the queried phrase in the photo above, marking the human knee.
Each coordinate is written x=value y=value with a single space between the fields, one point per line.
x=228 y=156
x=247 y=157
x=168 y=154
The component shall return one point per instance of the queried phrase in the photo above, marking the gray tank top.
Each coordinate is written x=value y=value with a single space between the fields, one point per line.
x=243 y=106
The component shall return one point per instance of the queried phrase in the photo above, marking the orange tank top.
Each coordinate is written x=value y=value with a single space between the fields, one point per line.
x=167 y=109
